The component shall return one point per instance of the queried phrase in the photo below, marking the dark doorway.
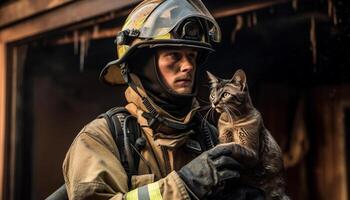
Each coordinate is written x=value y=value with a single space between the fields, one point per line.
x=58 y=98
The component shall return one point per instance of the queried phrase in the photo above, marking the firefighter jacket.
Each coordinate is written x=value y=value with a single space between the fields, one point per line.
x=92 y=168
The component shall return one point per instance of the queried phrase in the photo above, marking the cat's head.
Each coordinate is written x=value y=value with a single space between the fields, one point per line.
x=228 y=93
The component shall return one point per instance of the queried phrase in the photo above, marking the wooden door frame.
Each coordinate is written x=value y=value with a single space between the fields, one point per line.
x=341 y=170
x=330 y=173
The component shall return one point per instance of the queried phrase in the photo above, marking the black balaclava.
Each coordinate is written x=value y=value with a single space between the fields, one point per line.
x=145 y=67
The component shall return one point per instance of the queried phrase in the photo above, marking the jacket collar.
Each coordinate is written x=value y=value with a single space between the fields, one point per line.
x=163 y=136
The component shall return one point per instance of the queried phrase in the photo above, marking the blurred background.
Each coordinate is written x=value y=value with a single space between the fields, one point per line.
x=295 y=54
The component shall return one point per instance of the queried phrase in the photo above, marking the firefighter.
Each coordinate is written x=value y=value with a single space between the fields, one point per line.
x=160 y=48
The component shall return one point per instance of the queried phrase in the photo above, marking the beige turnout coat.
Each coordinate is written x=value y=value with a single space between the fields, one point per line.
x=92 y=169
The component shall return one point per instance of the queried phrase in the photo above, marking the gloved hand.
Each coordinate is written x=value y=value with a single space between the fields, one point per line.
x=203 y=174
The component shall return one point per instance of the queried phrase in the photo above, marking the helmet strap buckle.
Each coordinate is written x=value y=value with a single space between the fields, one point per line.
x=126 y=36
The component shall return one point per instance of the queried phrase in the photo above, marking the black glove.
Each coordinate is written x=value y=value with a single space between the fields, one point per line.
x=203 y=174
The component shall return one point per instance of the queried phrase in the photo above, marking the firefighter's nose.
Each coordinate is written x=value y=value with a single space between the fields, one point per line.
x=186 y=65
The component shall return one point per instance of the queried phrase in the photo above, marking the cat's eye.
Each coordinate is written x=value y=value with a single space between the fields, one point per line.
x=226 y=94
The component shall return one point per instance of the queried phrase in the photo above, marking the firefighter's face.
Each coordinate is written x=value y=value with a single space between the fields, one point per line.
x=177 y=68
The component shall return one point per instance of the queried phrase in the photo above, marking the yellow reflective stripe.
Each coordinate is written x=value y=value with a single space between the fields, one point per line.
x=132 y=195
x=154 y=191
x=122 y=49
x=164 y=37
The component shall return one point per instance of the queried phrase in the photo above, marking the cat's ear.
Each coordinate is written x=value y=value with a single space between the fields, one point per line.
x=240 y=78
x=213 y=80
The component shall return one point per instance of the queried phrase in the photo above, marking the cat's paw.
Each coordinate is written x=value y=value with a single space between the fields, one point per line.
x=245 y=155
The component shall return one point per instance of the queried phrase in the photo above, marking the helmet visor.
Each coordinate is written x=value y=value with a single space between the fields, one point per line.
x=171 y=12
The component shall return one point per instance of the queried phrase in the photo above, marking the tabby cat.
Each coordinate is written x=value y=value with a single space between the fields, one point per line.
x=242 y=124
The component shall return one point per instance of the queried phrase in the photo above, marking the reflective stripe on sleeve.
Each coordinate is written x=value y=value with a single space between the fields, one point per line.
x=147 y=192
x=154 y=191
x=143 y=193
x=132 y=195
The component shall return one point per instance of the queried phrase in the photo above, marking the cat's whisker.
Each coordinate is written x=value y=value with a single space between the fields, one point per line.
x=234 y=112
x=212 y=117
x=203 y=101
x=233 y=109
x=204 y=108
x=201 y=116
x=204 y=118
x=229 y=112
x=207 y=115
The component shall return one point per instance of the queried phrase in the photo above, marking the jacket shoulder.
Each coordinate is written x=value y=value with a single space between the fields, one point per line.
x=98 y=130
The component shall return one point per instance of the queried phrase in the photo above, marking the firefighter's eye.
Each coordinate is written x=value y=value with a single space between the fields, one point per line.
x=192 y=56
x=175 y=56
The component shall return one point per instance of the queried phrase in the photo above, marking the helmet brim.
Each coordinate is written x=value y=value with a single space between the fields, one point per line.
x=111 y=73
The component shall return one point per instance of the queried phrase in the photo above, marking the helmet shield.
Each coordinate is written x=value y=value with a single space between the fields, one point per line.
x=171 y=12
